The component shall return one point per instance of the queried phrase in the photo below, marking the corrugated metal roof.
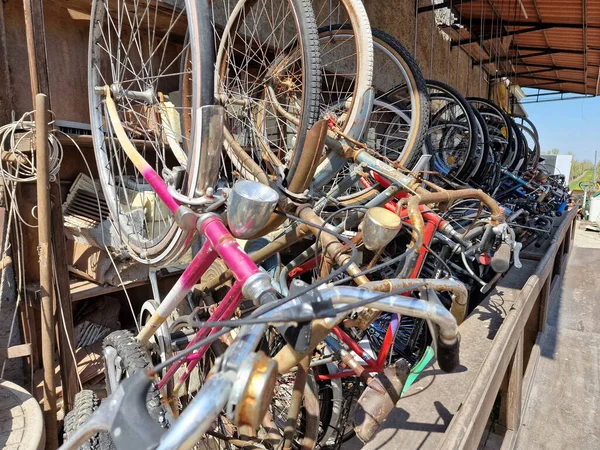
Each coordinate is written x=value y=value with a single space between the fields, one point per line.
x=546 y=44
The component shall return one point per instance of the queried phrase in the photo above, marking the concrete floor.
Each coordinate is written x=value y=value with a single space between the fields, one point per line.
x=563 y=411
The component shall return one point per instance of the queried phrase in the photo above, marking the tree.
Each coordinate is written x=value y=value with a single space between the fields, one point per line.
x=554 y=151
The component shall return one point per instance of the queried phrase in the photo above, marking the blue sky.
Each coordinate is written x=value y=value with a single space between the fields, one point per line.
x=569 y=125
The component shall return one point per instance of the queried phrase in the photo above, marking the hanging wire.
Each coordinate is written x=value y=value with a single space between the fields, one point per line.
x=100 y=214
x=499 y=48
x=515 y=64
x=469 y=60
x=481 y=49
x=432 y=41
x=416 y=27
x=18 y=163
x=458 y=46
x=449 y=45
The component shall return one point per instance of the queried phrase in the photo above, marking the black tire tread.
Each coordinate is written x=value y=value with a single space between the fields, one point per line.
x=410 y=64
x=135 y=359
x=474 y=139
x=86 y=402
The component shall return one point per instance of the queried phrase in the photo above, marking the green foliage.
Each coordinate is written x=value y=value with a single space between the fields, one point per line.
x=554 y=151
x=578 y=168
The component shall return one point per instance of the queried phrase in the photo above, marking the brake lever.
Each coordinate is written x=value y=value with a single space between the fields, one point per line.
x=516 y=250
x=125 y=416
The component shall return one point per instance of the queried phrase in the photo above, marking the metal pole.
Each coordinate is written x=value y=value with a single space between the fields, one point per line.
x=46 y=279
x=595 y=167
x=40 y=84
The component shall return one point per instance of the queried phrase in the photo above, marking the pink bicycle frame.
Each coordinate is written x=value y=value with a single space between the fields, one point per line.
x=219 y=242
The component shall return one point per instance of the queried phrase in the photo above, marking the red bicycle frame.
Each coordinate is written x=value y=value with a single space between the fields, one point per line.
x=433 y=222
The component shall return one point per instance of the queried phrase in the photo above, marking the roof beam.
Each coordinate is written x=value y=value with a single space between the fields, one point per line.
x=553 y=80
x=539 y=85
x=548 y=68
x=529 y=48
x=585 y=42
x=504 y=33
x=521 y=23
x=532 y=28
x=515 y=57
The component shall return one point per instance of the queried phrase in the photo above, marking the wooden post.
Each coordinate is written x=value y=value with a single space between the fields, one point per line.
x=38 y=71
x=544 y=304
x=46 y=279
x=66 y=334
x=515 y=388
x=36 y=48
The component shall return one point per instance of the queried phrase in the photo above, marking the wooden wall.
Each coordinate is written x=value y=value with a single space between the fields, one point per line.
x=434 y=54
x=67 y=42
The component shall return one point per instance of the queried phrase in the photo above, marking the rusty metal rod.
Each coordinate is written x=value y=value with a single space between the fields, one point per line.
x=460 y=295
x=296 y=402
x=311 y=409
x=46 y=279
x=425 y=197
x=334 y=248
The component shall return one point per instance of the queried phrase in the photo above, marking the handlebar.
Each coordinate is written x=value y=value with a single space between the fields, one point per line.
x=223 y=382
x=501 y=259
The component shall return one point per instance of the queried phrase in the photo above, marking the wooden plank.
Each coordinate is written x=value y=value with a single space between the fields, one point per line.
x=40 y=84
x=64 y=306
x=90 y=365
x=424 y=413
x=89 y=289
x=467 y=426
x=36 y=48
x=160 y=23
x=6 y=95
x=515 y=386
x=544 y=302
x=16 y=351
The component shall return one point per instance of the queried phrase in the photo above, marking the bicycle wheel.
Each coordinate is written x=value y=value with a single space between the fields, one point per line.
x=502 y=137
x=480 y=163
x=532 y=146
x=452 y=137
x=346 y=75
x=267 y=77
x=400 y=115
x=346 y=63
x=150 y=56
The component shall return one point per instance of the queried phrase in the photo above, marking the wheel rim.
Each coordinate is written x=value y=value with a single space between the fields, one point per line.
x=262 y=89
x=450 y=135
x=139 y=52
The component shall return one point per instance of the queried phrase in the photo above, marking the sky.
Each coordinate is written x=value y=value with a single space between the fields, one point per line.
x=568 y=125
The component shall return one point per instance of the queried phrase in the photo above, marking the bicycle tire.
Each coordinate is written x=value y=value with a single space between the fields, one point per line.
x=357 y=22
x=533 y=154
x=232 y=18
x=484 y=142
x=418 y=105
x=85 y=404
x=507 y=155
x=146 y=117
x=420 y=99
x=134 y=358
x=469 y=120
